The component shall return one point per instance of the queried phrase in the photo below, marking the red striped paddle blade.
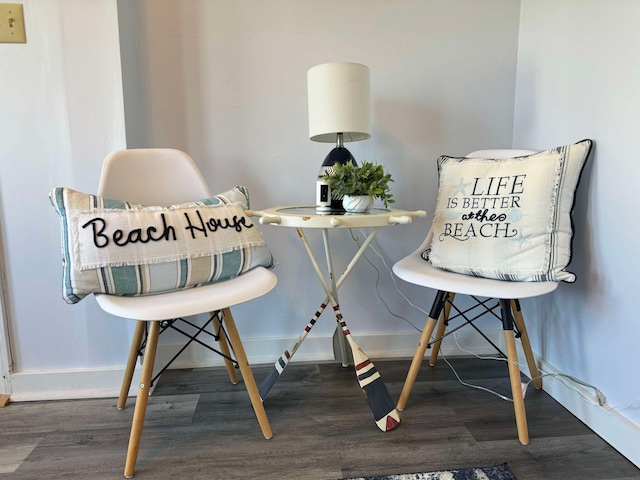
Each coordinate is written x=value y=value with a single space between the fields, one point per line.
x=381 y=405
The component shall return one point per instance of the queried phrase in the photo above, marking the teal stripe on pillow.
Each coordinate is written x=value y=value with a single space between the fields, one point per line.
x=183 y=270
x=125 y=279
x=115 y=204
x=211 y=201
x=232 y=263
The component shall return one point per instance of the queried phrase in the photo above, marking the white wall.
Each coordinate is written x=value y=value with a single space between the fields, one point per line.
x=579 y=77
x=226 y=82
x=62 y=112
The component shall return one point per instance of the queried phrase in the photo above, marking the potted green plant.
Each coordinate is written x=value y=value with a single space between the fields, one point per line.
x=368 y=180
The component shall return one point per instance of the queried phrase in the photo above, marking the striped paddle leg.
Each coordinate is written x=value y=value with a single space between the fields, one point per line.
x=381 y=405
x=280 y=364
x=284 y=359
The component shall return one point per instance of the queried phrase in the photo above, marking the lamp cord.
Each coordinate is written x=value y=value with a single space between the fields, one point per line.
x=600 y=398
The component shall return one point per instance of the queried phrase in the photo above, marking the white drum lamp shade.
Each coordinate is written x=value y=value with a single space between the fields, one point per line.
x=339 y=96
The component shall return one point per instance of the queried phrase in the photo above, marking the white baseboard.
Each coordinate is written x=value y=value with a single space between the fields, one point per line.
x=105 y=382
x=618 y=431
x=320 y=348
x=66 y=384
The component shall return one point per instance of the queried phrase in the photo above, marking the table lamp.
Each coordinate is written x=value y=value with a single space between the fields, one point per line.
x=339 y=111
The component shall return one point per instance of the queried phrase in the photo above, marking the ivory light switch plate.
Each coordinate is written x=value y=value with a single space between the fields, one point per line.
x=12 y=23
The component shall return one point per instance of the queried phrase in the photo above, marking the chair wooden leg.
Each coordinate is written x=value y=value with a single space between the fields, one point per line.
x=224 y=347
x=142 y=399
x=518 y=319
x=430 y=324
x=247 y=374
x=444 y=318
x=136 y=343
x=514 y=374
x=415 y=363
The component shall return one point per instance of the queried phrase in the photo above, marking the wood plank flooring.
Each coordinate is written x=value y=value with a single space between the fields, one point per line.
x=199 y=426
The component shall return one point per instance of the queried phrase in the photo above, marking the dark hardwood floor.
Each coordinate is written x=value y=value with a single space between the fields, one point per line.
x=199 y=426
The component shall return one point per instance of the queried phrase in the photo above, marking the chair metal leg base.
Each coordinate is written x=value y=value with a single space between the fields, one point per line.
x=510 y=314
x=147 y=374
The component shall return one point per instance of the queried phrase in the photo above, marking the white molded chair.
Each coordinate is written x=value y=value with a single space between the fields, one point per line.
x=166 y=177
x=414 y=269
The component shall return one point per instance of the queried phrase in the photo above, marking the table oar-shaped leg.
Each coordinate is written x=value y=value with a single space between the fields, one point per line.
x=380 y=403
x=285 y=358
x=283 y=361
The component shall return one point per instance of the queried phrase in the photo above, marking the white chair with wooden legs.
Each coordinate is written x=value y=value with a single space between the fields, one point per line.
x=167 y=177
x=414 y=269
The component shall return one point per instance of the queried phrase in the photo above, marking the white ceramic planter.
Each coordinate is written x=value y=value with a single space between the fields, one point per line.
x=357 y=204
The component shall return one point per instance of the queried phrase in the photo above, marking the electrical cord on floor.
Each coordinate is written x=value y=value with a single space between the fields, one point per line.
x=456 y=336
x=479 y=387
x=599 y=396
x=631 y=405
x=601 y=400
x=471 y=385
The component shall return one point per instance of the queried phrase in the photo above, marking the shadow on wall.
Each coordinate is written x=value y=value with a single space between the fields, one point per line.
x=558 y=318
x=588 y=284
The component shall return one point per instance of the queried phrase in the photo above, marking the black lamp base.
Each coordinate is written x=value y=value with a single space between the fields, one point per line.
x=338 y=155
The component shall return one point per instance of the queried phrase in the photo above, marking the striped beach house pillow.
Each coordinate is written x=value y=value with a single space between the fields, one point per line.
x=116 y=247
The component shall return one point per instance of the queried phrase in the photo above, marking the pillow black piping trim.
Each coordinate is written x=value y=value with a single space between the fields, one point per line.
x=575 y=196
